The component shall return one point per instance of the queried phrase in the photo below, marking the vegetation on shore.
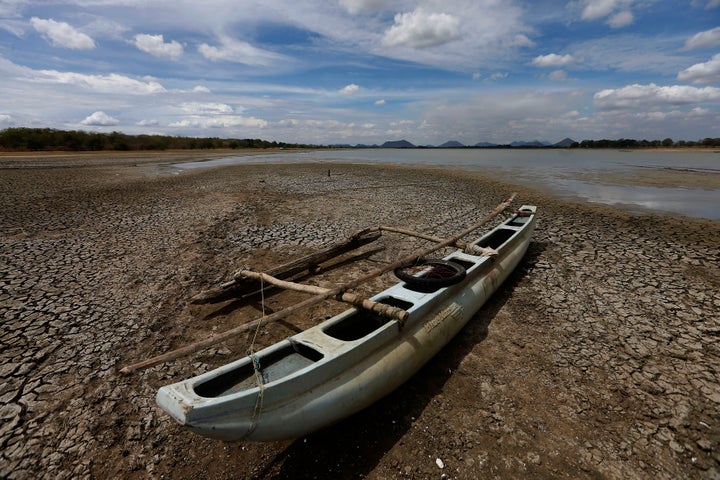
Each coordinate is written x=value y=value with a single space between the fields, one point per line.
x=47 y=139
x=630 y=143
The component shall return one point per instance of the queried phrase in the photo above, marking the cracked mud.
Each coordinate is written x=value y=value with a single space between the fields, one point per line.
x=598 y=358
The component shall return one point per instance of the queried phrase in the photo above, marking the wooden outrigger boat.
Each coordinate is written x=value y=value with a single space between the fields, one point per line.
x=344 y=364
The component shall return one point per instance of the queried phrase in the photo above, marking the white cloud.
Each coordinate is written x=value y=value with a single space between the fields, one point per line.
x=596 y=9
x=201 y=89
x=708 y=38
x=553 y=60
x=708 y=72
x=650 y=96
x=350 y=89
x=61 y=34
x=363 y=6
x=421 y=29
x=147 y=123
x=622 y=19
x=521 y=40
x=558 y=75
x=232 y=50
x=618 y=11
x=7 y=119
x=155 y=45
x=113 y=83
x=194 y=108
x=222 y=121
x=100 y=119
x=380 y=102
x=499 y=76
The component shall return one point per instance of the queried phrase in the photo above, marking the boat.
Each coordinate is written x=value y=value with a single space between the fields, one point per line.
x=344 y=364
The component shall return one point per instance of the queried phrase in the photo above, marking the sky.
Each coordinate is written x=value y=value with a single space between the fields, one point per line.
x=364 y=71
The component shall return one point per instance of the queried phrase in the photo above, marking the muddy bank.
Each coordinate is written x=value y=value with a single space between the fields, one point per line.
x=598 y=357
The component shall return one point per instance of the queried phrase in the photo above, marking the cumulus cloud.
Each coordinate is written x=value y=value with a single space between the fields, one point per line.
x=421 y=29
x=148 y=123
x=617 y=10
x=621 y=19
x=380 y=102
x=7 y=119
x=113 y=83
x=708 y=38
x=100 y=119
x=596 y=9
x=553 y=60
x=649 y=96
x=707 y=72
x=61 y=34
x=350 y=89
x=232 y=50
x=155 y=45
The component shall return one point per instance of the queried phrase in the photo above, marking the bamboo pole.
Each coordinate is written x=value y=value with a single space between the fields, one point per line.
x=387 y=311
x=202 y=344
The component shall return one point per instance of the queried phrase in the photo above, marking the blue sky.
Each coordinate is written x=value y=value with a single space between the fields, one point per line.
x=364 y=71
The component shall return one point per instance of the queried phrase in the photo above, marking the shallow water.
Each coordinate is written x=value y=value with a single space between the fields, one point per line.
x=598 y=176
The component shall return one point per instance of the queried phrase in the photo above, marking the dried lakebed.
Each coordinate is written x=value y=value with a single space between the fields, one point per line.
x=598 y=358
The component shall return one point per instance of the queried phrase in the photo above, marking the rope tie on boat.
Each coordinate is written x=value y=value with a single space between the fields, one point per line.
x=257 y=367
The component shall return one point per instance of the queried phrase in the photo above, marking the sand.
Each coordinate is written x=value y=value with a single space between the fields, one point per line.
x=598 y=358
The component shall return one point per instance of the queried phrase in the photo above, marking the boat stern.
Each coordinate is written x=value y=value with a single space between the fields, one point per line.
x=176 y=401
x=200 y=414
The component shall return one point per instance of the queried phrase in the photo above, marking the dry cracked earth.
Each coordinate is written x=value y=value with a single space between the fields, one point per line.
x=598 y=358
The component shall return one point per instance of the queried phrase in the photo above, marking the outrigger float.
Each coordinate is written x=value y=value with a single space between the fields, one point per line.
x=344 y=364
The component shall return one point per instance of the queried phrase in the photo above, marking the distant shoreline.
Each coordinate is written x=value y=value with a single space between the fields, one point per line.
x=261 y=151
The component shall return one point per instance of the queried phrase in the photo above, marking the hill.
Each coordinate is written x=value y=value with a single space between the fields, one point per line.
x=451 y=144
x=398 y=144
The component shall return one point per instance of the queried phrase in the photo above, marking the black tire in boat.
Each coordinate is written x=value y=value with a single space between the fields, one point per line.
x=434 y=273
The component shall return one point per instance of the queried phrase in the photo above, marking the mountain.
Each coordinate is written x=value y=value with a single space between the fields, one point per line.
x=565 y=143
x=451 y=144
x=534 y=143
x=398 y=144
x=485 y=144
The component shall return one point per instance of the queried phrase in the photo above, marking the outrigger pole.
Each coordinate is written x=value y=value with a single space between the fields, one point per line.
x=336 y=292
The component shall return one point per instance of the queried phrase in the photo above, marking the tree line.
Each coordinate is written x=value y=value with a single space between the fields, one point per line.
x=630 y=143
x=48 y=139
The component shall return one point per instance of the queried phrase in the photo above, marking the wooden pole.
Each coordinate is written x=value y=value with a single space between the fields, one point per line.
x=387 y=311
x=333 y=292
x=239 y=287
x=431 y=238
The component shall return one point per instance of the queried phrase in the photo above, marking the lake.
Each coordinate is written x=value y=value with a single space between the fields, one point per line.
x=676 y=182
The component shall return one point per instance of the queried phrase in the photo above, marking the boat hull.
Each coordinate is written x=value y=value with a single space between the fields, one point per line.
x=331 y=371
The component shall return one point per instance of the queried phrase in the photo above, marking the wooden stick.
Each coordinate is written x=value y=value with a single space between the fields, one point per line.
x=239 y=287
x=208 y=342
x=387 y=311
x=202 y=344
x=458 y=244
